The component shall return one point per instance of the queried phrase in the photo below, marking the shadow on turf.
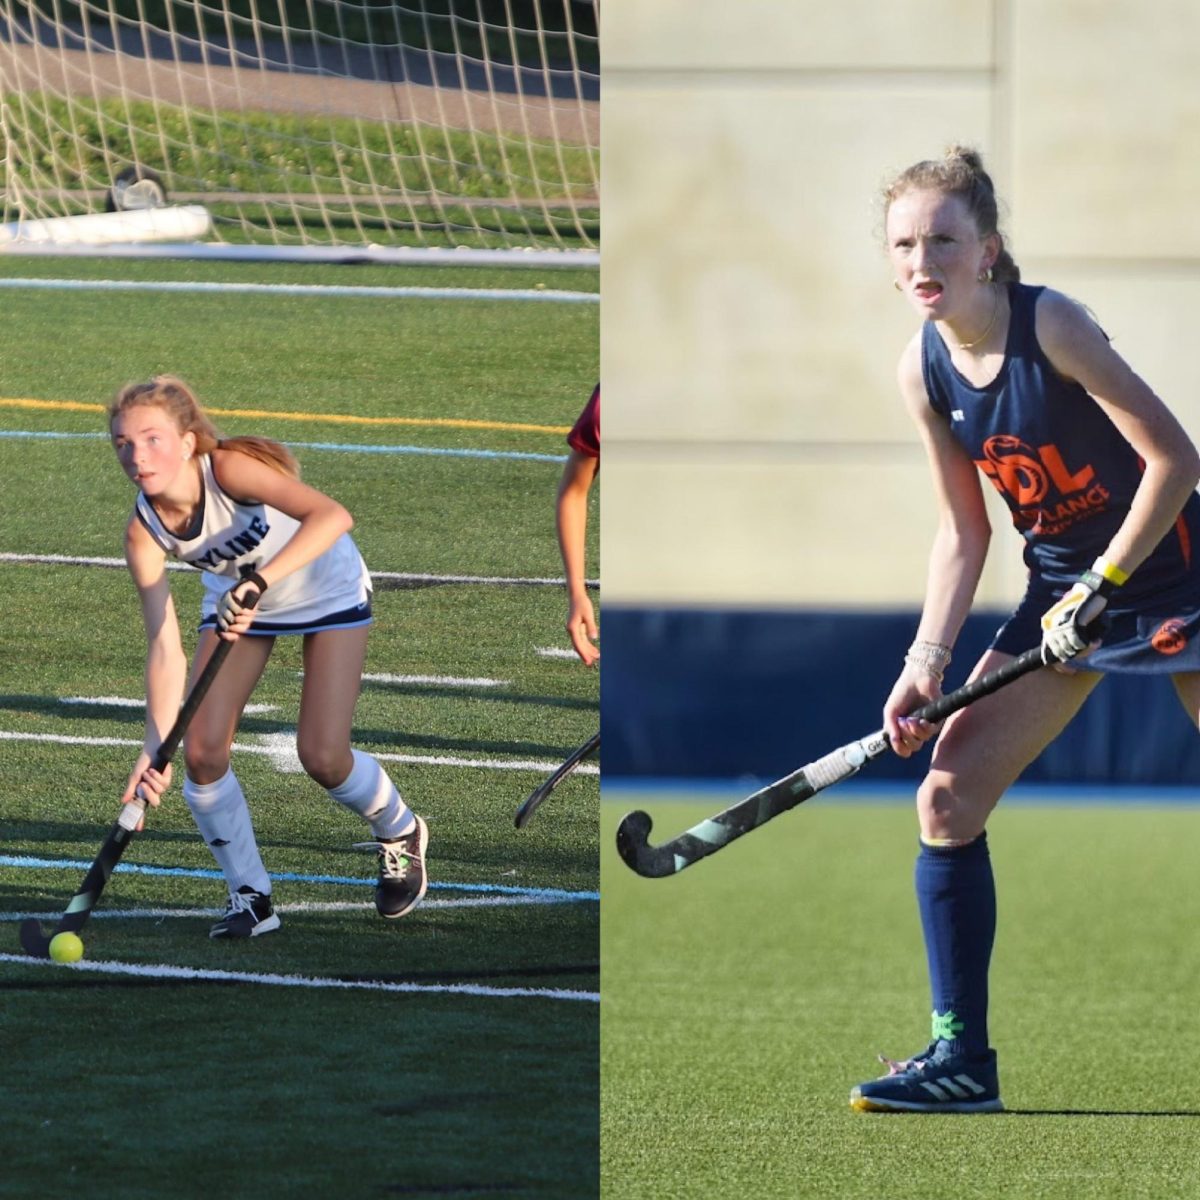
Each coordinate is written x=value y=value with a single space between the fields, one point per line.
x=455 y=1189
x=458 y=852
x=88 y=834
x=1100 y=1112
x=396 y=739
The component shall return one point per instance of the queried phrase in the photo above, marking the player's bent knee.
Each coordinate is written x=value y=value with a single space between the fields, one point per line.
x=947 y=810
x=328 y=765
x=206 y=764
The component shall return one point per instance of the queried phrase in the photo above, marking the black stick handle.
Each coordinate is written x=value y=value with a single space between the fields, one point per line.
x=984 y=685
x=187 y=711
x=166 y=751
x=34 y=939
x=712 y=834
x=132 y=813
x=539 y=793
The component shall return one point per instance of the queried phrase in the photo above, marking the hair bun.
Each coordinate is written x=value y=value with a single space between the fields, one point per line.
x=968 y=155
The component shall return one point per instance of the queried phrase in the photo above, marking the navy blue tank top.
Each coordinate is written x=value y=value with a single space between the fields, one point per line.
x=1065 y=471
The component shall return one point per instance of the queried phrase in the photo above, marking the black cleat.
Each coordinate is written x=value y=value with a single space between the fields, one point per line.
x=249 y=914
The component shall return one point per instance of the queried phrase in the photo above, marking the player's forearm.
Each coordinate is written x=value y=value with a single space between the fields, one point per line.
x=318 y=532
x=571 y=521
x=1164 y=489
x=955 y=565
x=166 y=675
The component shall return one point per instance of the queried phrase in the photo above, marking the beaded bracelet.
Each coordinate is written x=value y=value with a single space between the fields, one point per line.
x=933 y=657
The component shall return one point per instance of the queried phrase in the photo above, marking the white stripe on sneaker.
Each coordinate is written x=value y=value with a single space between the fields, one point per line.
x=953 y=1088
x=967 y=1081
x=934 y=1090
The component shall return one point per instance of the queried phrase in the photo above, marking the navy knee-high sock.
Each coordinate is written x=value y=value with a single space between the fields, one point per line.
x=957 y=898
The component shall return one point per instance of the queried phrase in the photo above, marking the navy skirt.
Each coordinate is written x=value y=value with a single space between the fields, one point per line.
x=1161 y=636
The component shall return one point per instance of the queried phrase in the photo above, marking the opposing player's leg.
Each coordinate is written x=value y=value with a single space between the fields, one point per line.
x=333 y=666
x=214 y=795
x=979 y=754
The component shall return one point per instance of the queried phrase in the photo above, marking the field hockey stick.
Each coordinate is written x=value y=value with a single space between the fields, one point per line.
x=543 y=790
x=34 y=940
x=710 y=835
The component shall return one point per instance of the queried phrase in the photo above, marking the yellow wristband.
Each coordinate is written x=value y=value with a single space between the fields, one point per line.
x=1110 y=571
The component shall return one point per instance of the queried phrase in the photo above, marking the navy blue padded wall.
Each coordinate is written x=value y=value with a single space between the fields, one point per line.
x=721 y=694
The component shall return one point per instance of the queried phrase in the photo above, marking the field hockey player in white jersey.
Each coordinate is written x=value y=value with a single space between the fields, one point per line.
x=236 y=510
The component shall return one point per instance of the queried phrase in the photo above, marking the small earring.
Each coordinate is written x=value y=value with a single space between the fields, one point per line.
x=985 y=276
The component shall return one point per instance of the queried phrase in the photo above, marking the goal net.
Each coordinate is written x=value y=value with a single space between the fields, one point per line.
x=307 y=123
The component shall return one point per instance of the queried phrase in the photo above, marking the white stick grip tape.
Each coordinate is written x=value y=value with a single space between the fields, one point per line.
x=833 y=768
x=132 y=813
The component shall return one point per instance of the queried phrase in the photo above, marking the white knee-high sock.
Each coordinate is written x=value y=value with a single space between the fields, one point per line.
x=223 y=818
x=368 y=791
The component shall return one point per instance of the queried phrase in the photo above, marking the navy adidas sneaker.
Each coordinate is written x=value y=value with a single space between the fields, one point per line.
x=933 y=1081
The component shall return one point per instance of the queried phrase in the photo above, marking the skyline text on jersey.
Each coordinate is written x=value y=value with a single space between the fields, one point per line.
x=241 y=543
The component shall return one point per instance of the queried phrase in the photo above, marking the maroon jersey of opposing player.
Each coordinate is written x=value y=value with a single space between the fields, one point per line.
x=585 y=433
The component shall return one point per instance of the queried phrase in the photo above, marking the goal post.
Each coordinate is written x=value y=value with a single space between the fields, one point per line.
x=434 y=125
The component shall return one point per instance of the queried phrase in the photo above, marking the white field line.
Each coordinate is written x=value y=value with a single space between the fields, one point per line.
x=272 y=751
x=554 y=652
x=538 y=295
x=300 y=906
x=79 y=560
x=280 y=747
x=166 y=971
x=453 y=681
x=125 y=702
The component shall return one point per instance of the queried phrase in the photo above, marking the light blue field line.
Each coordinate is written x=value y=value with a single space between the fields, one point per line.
x=620 y=789
x=26 y=862
x=538 y=295
x=344 y=447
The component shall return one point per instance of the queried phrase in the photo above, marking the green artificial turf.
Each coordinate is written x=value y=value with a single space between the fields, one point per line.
x=745 y=997
x=481 y=1079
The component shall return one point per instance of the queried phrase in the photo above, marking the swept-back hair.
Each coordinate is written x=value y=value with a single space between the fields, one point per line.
x=178 y=400
x=959 y=172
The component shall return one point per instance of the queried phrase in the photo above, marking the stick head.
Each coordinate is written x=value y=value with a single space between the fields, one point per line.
x=33 y=941
x=633 y=837
x=529 y=805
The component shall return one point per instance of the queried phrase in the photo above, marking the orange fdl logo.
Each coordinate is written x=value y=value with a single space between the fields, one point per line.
x=1168 y=638
x=1026 y=474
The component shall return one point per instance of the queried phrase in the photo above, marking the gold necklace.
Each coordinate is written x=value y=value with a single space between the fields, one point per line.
x=983 y=336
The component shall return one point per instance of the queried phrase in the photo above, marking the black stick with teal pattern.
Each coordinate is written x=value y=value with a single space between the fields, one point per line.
x=34 y=940
x=710 y=835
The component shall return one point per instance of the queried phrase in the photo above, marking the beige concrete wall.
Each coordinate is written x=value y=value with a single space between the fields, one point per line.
x=755 y=450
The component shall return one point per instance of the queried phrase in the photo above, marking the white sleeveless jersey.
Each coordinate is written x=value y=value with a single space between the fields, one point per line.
x=229 y=537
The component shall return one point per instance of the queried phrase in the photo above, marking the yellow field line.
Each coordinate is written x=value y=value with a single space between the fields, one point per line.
x=325 y=418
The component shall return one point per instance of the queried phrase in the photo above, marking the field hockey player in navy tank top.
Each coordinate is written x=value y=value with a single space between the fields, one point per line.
x=236 y=510
x=1018 y=388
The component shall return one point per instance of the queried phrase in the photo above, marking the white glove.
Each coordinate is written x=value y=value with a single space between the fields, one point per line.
x=1063 y=623
x=243 y=595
